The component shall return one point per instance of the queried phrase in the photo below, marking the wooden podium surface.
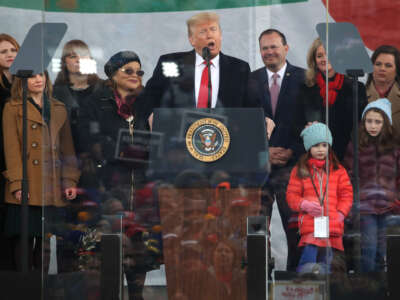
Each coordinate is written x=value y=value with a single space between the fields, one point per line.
x=204 y=241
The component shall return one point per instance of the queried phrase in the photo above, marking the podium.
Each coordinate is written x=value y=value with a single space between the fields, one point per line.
x=211 y=165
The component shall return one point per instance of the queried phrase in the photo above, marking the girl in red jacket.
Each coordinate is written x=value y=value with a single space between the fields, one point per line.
x=321 y=209
x=379 y=173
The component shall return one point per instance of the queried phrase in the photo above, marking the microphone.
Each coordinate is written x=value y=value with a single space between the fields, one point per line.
x=205 y=53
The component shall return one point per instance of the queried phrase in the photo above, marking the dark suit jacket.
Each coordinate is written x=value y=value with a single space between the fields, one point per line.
x=259 y=92
x=179 y=91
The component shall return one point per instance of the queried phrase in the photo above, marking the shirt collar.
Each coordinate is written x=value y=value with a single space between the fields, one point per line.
x=200 y=60
x=281 y=72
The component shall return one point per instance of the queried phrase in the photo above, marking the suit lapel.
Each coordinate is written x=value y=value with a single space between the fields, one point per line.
x=32 y=113
x=264 y=88
x=284 y=89
x=224 y=79
x=189 y=77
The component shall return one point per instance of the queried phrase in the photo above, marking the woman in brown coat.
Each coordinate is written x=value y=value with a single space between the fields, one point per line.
x=51 y=162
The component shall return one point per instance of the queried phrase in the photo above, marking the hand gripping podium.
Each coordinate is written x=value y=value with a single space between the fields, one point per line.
x=211 y=165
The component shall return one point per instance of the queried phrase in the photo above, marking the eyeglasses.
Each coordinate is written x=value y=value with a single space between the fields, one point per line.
x=129 y=71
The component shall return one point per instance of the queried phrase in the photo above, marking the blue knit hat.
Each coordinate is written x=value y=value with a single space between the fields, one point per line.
x=382 y=104
x=315 y=134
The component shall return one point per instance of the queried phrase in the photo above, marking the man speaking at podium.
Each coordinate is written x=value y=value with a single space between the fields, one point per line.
x=182 y=80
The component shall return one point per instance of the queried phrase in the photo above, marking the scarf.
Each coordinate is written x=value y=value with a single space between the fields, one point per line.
x=384 y=94
x=317 y=163
x=333 y=87
x=125 y=106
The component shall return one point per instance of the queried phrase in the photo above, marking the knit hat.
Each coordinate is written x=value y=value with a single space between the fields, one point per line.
x=118 y=60
x=315 y=134
x=382 y=104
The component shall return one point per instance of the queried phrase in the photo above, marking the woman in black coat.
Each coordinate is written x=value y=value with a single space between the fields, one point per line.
x=113 y=109
x=311 y=103
x=75 y=83
x=8 y=51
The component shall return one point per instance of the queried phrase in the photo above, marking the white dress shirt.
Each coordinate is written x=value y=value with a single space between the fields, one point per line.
x=199 y=67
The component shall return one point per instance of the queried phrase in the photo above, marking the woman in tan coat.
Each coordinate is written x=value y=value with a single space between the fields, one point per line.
x=51 y=162
x=384 y=81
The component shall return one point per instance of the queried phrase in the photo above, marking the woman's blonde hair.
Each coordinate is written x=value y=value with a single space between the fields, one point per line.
x=6 y=38
x=312 y=70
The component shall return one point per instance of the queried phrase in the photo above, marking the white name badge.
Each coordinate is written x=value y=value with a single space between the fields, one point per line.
x=321 y=227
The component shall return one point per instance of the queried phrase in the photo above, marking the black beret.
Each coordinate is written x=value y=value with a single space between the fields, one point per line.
x=118 y=60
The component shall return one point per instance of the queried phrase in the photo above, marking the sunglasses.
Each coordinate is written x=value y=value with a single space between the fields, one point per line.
x=129 y=71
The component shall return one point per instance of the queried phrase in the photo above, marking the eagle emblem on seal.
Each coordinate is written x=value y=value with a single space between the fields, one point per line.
x=207 y=139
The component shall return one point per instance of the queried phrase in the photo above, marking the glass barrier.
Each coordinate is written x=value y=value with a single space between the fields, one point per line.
x=201 y=150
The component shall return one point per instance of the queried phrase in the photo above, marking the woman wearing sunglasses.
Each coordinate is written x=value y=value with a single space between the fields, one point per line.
x=117 y=106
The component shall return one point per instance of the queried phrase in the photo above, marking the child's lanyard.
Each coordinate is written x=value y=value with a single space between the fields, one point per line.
x=320 y=179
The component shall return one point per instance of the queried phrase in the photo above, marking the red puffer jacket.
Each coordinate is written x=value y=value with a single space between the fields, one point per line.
x=339 y=198
x=379 y=178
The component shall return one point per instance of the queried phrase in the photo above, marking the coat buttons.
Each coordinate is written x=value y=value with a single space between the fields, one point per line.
x=34 y=145
x=35 y=162
x=34 y=126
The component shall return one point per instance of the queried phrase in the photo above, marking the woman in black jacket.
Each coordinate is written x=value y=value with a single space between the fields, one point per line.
x=114 y=109
x=312 y=100
x=75 y=83
x=8 y=51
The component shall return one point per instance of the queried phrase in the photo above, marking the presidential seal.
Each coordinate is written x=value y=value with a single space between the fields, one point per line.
x=207 y=139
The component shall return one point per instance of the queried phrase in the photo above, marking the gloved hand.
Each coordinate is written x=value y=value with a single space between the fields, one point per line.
x=311 y=207
x=340 y=216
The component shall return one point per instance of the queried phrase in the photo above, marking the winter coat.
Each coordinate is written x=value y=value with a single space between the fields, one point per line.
x=310 y=108
x=339 y=195
x=379 y=178
x=4 y=95
x=99 y=132
x=73 y=101
x=394 y=98
x=51 y=161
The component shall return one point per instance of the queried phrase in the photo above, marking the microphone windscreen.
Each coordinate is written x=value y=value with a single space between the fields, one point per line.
x=205 y=53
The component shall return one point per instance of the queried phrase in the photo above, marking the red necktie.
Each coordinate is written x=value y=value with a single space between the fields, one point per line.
x=202 y=101
x=274 y=92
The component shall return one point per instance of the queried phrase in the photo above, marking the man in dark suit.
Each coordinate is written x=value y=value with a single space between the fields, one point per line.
x=275 y=87
x=178 y=77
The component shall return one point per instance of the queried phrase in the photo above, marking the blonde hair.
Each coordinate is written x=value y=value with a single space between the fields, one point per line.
x=16 y=88
x=6 y=38
x=312 y=70
x=201 y=18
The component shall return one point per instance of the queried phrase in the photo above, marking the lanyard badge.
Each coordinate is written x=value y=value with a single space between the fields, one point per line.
x=321 y=224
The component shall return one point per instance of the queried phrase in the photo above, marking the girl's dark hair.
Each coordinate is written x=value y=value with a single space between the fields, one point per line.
x=303 y=169
x=385 y=141
x=386 y=49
